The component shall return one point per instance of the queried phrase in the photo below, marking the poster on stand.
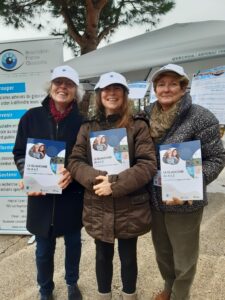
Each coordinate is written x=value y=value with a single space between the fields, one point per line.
x=25 y=68
x=208 y=89
x=138 y=89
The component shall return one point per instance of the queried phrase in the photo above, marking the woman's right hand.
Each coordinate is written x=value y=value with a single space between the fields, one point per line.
x=103 y=188
x=21 y=186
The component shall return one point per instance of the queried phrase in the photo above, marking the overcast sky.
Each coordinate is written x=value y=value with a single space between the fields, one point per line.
x=184 y=11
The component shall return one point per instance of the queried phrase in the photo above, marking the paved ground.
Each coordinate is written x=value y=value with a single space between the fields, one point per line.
x=17 y=269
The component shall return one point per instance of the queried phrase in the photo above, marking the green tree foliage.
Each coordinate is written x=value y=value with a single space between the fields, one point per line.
x=83 y=23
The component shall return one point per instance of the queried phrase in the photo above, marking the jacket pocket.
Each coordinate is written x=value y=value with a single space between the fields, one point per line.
x=93 y=215
x=139 y=214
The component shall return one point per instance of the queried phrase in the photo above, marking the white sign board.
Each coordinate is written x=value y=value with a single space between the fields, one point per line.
x=138 y=89
x=25 y=67
x=208 y=90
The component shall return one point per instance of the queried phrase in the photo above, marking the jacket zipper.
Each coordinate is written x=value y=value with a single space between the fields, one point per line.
x=54 y=196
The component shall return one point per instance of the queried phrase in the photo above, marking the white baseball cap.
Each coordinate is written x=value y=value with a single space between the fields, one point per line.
x=170 y=68
x=67 y=72
x=111 y=78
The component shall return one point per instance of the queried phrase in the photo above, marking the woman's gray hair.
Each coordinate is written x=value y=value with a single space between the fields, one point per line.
x=79 y=91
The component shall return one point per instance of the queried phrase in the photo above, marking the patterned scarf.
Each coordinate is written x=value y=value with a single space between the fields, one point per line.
x=161 y=121
x=57 y=115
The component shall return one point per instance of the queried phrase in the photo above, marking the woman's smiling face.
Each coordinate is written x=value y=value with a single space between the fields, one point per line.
x=112 y=97
x=168 y=90
x=63 y=91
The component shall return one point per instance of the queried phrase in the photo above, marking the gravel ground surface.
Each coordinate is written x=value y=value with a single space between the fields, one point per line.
x=18 y=274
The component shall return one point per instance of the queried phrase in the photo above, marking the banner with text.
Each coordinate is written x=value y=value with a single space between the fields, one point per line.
x=25 y=68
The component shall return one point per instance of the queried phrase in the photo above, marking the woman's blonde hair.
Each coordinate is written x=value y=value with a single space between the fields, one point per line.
x=125 y=110
x=182 y=79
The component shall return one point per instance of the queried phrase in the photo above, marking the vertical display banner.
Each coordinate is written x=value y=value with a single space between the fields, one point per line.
x=208 y=89
x=25 y=68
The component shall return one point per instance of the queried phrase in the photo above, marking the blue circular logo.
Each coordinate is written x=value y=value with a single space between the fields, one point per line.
x=9 y=60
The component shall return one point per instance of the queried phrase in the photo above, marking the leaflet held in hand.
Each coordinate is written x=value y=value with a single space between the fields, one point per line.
x=109 y=150
x=43 y=162
x=181 y=171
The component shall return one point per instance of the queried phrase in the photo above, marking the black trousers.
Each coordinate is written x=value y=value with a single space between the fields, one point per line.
x=104 y=264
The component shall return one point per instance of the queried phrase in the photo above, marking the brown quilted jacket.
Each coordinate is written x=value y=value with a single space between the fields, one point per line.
x=125 y=213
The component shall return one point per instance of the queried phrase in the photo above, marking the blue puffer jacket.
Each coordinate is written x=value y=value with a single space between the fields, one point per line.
x=192 y=122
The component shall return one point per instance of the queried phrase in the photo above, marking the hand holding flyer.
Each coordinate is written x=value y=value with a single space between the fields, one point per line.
x=181 y=171
x=43 y=163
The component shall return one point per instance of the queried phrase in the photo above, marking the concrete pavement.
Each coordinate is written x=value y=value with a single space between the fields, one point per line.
x=18 y=274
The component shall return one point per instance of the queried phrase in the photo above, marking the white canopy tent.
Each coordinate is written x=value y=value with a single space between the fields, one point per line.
x=196 y=46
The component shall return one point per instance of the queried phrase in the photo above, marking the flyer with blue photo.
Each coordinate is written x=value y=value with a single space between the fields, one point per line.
x=181 y=171
x=43 y=162
x=109 y=150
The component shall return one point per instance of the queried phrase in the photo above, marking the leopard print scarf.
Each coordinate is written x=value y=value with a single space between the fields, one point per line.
x=161 y=121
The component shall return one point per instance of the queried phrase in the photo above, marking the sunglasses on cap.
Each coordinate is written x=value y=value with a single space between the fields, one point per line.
x=67 y=82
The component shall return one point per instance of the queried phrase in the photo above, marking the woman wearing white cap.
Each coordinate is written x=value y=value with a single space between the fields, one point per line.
x=115 y=206
x=50 y=216
x=176 y=223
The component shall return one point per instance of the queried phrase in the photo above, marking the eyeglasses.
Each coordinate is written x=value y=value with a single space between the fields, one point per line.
x=67 y=82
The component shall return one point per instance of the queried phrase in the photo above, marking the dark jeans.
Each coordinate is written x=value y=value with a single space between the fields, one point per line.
x=104 y=264
x=45 y=250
